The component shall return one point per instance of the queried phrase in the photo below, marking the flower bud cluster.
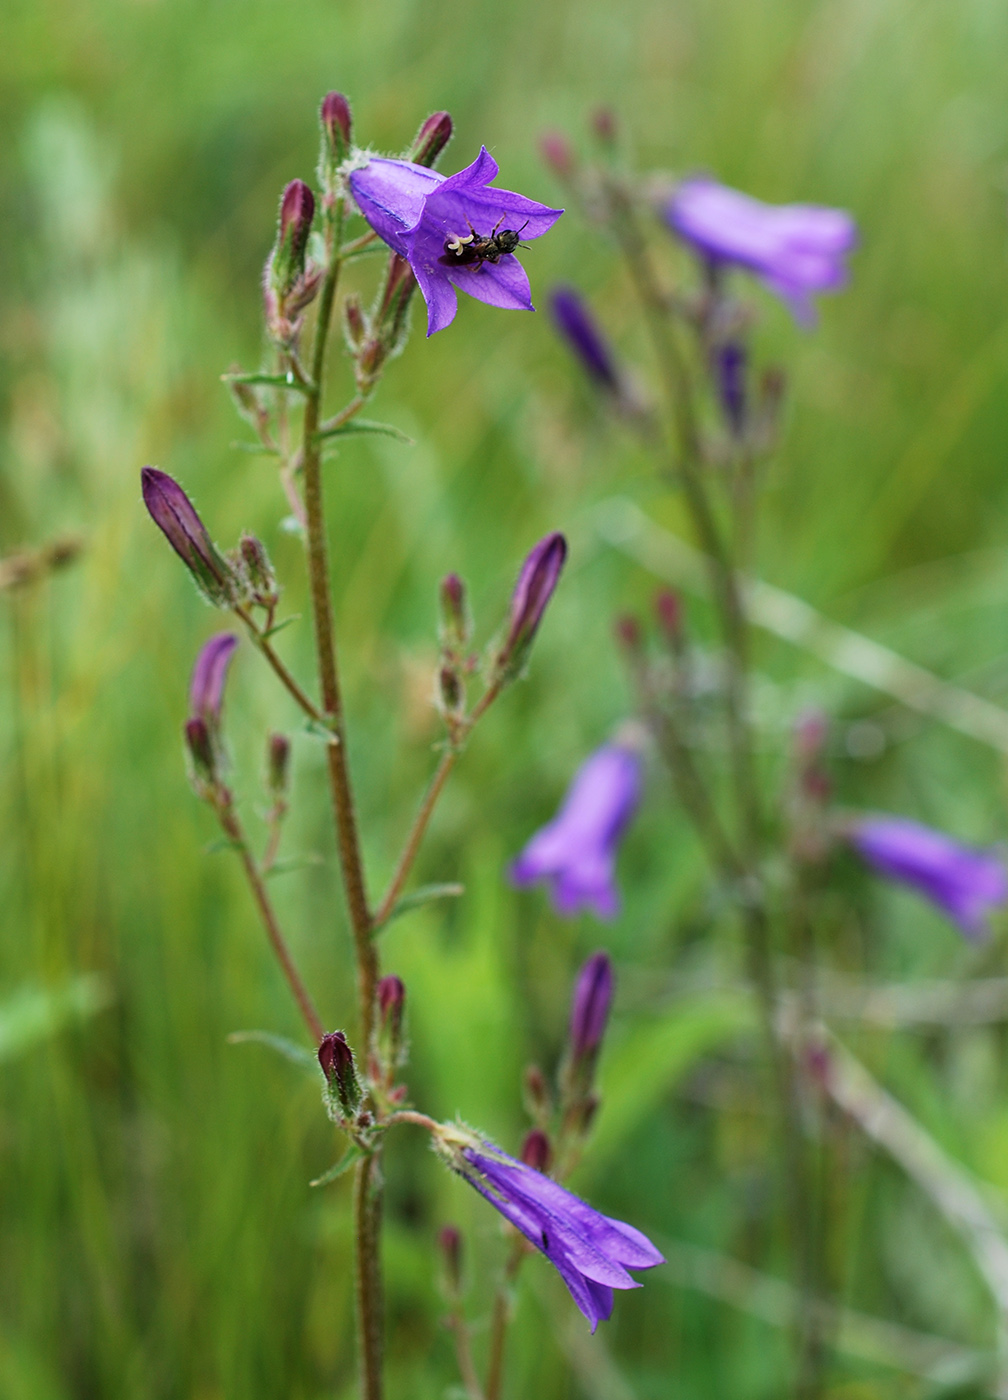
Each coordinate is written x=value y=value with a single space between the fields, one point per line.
x=290 y=279
x=342 y=1095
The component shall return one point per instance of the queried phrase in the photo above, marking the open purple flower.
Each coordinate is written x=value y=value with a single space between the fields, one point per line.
x=590 y=1251
x=576 y=851
x=455 y=231
x=963 y=882
x=796 y=249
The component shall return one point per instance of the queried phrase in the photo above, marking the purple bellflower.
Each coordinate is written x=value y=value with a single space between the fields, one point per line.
x=962 y=882
x=796 y=249
x=452 y=231
x=590 y=1251
x=576 y=851
x=206 y=689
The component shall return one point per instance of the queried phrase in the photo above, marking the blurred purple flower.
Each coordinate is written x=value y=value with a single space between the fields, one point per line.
x=730 y=364
x=796 y=249
x=593 y=994
x=573 y=319
x=590 y=1251
x=418 y=213
x=964 y=883
x=206 y=689
x=576 y=851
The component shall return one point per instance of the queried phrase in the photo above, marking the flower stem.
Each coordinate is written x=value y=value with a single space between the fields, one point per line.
x=501 y=1318
x=233 y=830
x=281 y=671
x=367 y=1209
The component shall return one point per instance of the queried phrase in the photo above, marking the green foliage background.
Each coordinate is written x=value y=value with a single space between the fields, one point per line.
x=157 y=1235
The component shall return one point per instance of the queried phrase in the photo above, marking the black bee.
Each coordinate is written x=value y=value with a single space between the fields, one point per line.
x=474 y=248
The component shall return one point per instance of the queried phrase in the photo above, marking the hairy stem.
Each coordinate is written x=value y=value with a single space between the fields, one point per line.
x=234 y=832
x=367 y=1209
x=280 y=670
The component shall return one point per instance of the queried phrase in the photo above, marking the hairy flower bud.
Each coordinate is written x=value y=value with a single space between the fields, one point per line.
x=258 y=571
x=201 y=750
x=354 y=324
x=337 y=1061
x=451 y=692
x=206 y=688
x=287 y=263
x=431 y=139
x=391 y=1002
x=539 y=576
x=175 y=516
x=456 y=624
x=337 y=126
x=536 y=1152
x=277 y=765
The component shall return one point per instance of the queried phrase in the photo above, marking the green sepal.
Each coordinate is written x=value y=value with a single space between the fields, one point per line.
x=350 y=1158
x=289 y=1049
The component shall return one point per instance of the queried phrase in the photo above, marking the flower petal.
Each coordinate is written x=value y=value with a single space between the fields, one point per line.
x=391 y=194
x=504 y=284
x=439 y=294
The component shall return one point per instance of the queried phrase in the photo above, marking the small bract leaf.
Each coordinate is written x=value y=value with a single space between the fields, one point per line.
x=364 y=425
x=421 y=896
x=350 y=1157
x=289 y=1049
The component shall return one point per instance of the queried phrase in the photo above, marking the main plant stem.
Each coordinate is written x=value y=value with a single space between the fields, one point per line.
x=367 y=1183
x=755 y=916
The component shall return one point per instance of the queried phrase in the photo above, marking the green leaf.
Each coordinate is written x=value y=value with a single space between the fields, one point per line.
x=276 y=381
x=350 y=1157
x=423 y=895
x=289 y=1049
x=278 y=627
x=640 y=1070
x=320 y=731
x=289 y=863
x=364 y=425
x=34 y=1014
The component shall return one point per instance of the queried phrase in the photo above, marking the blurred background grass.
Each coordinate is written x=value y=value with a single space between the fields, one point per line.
x=157 y=1236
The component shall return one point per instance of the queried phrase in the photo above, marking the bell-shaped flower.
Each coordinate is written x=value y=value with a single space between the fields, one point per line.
x=796 y=249
x=590 y=1251
x=455 y=231
x=963 y=882
x=576 y=852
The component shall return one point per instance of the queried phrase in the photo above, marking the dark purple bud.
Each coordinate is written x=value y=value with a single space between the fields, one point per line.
x=593 y=994
x=730 y=362
x=201 y=749
x=575 y=323
x=431 y=139
x=669 y=611
x=450 y=1244
x=297 y=210
x=174 y=514
x=258 y=570
x=337 y=125
x=391 y=1002
x=277 y=764
x=558 y=154
x=604 y=125
x=206 y=689
x=535 y=1151
x=354 y=323
x=456 y=625
x=628 y=633
x=337 y=1061
x=536 y=582
x=537 y=1092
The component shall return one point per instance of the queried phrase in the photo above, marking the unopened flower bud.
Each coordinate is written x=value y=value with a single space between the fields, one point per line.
x=174 y=514
x=258 y=570
x=451 y=692
x=669 y=610
x=354 y=324
x=456 y=624
x=336 y=126
x=391 y=1002
x=277 y=764
x=201 y=749
x=536 y=1151
x=337 y=1061
x=431 y=139
x=206 y=688
x=297 y=210
x=730 y=364
x=604 y=125
x=558 y=154
x=536 y=582
x=593 y=994
x=538 y=1098
x=628 y=632
x=575 y=322
x=450 y=1244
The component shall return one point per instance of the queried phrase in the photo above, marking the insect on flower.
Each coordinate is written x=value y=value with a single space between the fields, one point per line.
x=474 y=248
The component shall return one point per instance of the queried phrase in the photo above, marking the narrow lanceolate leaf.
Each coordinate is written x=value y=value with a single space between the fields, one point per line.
x=364 y=425
x=289 y=1049
x=289 y=863
x=33 y=1014
x=278 y=627
x=276 y=381
x=423 y=895
x=350 y=1157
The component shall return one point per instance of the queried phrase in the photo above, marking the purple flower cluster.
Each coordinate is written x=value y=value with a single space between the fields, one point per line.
x=964 y=883
x=590 y=1251
x=439 y=223
x=796 y=249
x=576 y=851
